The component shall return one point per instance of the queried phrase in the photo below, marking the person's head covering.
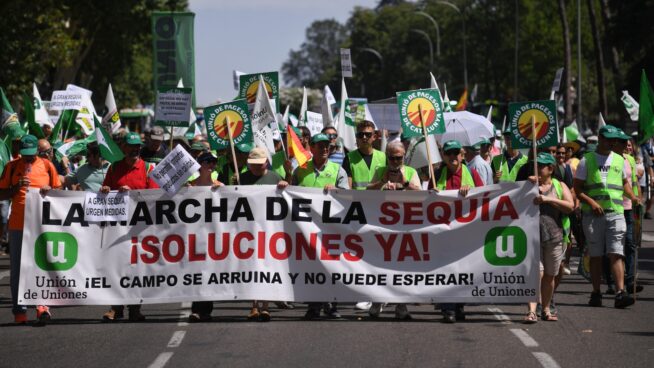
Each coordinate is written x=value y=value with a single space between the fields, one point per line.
x=198 y=146
x=610 y=132
x=29 y=145
x=545 y=158
x=206 y=157
x=244 y=147
x=257 y=156
x=133 y=138
x=157 y=133
x=320 y=137
x=451 y=146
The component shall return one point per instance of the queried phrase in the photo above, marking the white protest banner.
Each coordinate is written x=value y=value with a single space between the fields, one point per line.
x=346 y=63
x=314 y=122
x=299 y=244
x=66 y=100
x=173 y=107
x=112 y=206
x=173 y=171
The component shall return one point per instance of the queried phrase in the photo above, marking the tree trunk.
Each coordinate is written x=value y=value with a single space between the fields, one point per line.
x=567 y=62
x=599 y=60
x=618 y=79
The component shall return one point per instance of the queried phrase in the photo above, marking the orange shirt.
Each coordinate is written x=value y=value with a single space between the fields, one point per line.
x=40 y=173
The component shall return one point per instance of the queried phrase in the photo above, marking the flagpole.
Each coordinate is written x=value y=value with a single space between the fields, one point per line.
x=533 y=145
x=231 y=145
x=424 y=132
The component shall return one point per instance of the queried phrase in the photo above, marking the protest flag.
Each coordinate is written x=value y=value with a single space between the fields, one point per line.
x=295 y=148
x=109 y=150
x=41 y=116
x=5 y=155
x=564 y=137
x=631 y=105
x=111 y=118
x=600 y=121
x=285 y=119
x=463 y=101
x=434 y=85
x=446 y=100
x=326 y=107
x=303 y=108
x=262 y=115
x=345 y=125
x=645 y=110
x=32 y=127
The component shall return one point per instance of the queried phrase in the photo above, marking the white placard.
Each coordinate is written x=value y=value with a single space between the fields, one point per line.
x=66 y=100
x=173 y=107
x=113 y=206
x=314 y=122
x=173 y=171
x=346 y=63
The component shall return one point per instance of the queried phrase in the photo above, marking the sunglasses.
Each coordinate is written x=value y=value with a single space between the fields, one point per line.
x=332 y=136
x=452 y=153
x=361 y=135
x=45 y=153
x=396 y=158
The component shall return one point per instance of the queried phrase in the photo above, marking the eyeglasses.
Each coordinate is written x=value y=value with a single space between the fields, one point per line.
x=395 y=158
x=45 y=153
x=332 y=136
x=452 y=153
x=362 y=135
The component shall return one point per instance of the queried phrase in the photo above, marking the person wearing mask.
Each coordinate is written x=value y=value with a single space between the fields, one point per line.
x=130 y=173
x=29 y=171
x=554 y=201
x=600 y=183
x=454 y=175
x=507 y=165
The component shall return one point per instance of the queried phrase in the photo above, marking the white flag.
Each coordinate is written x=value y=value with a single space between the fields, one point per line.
x=264 y=138
x=303 y=108
x=285 y=118
x=326 y=106
x=490 y=113
x=262 y=113
x=631 y=105
x=41 y=115
x=416 y=154
x=111 y=120
x=446 y=100
x=345 y=122
x=601 y=122
x=86 y=112
x=434 y=85
x=564 y=137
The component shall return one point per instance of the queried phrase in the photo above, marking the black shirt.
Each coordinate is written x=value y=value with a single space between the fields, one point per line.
x=346 y=162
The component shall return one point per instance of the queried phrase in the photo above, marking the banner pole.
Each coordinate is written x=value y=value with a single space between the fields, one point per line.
x=424 y=132
x=533 y=145
x=231 y=145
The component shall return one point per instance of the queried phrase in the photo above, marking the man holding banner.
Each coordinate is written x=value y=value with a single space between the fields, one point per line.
x=506 y=165
x=601 y=181
x=361 y=164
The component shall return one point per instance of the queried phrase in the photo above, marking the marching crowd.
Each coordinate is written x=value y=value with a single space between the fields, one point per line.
x=591 y=194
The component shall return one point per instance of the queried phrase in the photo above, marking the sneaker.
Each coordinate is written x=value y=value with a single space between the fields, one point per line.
x=135 y=314
x=254 y=314
x=364 y=306
x=449 y=317
x=42 y=315
x=20 y=318
x=112 y=316
x=595 y=299
x=402 y=312
x=264 y=316
x=566 y=270
x=623 y=300
x=630 y=289
x=375 y=310
x=196 y=317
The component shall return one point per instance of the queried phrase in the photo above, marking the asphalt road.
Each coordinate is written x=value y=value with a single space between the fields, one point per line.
x=491 y=336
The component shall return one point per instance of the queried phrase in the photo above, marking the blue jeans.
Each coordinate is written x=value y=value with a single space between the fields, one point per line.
x=15 y=247
x=629 y=250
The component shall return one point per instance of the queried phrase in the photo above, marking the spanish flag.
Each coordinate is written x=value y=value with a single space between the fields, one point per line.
x=463 y=101
x=295 y=148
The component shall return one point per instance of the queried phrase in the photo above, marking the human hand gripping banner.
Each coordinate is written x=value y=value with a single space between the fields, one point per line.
x=297 y=244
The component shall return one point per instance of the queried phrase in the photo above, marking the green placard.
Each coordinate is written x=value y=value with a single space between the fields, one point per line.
x=240 y=124
x=430 y=103
x=249 y=84
x=547 y=131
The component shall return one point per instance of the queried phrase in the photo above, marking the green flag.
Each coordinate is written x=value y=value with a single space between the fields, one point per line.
x=66 y=118
x=109 y=150
x=645 y=110
x=9 y=120
x=32 y=127
x=5 y=155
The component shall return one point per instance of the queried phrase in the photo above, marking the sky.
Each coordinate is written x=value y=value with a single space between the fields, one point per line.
x=252 y=36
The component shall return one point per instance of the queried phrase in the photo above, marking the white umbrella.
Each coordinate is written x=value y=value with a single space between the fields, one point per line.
x=466 y=127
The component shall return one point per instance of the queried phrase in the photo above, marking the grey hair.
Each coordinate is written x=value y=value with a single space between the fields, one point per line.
x=395 y=145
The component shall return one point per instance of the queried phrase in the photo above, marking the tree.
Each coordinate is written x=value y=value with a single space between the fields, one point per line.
x=599 y=58
x=567 y=61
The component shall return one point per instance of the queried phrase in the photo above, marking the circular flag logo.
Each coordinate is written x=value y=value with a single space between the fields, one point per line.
x=251 y=93
x=542 y=124
x=217 y=117
x=418 y=105
x=545 y=130
x=235 y=124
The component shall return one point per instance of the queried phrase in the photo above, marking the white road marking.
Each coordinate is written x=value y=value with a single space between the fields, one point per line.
x=177 y=338
x=183 y=314
x=161 y=360
x=546 y=360
x=497 y=312
x=524 y=337
x=4 y=274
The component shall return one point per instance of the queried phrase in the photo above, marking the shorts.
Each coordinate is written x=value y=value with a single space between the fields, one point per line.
x=604 y=234
x=551 y=255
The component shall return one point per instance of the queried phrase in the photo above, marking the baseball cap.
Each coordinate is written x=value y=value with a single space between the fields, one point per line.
x=245 y=147
x=133 y=138
x=610 y=132
x=206 y=157
x=320 y=137
x=623 y=136
x=157 y=133
x=257 y=156
x=545 y=158
x=28 y=145
x=451 y=145
x=198 y=146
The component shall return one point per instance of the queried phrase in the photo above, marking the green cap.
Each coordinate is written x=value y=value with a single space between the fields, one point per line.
x=320 y=137
x=610 y=132
x=623 y=136
x=477 y=146
x=133 y=138
x=13 y=131
x=29 y=145
x=197 y=146
x=451 y=145
x=545 y=158
x=591 y=147
x=245 y=147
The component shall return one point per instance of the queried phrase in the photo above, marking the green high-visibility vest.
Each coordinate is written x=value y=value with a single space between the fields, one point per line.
x=409 y=172
x=361 y=174
x=466 y=178
x=277 y=164
x=634 y=176
x=506 y=174
x=306 y=175
x=565 y=219
x=608 y=195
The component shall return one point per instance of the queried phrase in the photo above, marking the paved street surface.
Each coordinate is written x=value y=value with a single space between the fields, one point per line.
x=492 y=335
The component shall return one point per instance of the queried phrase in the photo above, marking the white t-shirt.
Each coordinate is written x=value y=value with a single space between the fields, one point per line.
x=604 y=163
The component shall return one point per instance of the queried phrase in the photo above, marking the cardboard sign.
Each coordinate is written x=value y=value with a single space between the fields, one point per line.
x=547 y=132
x=314 y=122
x=113 y=206
x=426 y=101
x=66 y=100
x=346 y=63
x=174 y=170
x=173 y=107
